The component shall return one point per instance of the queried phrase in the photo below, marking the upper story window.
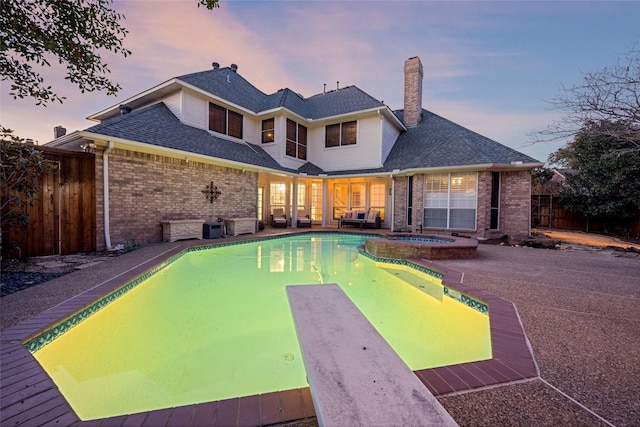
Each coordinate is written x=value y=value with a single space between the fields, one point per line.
x=296 y=140
x=341 y=134
x=225 y=121
x=268 y=130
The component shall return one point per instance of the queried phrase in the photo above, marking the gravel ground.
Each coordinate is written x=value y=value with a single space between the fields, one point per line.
x=580 y=309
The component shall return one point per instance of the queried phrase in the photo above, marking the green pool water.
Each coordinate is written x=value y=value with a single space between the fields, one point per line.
x=216 y=324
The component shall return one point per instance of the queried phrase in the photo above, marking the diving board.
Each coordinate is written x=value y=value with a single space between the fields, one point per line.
x=356 y=378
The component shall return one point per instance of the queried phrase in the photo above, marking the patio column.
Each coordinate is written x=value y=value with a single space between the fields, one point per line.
x=294 y=208
x=325 y=203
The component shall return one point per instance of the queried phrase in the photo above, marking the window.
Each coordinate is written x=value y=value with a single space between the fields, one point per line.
x=358 y=197
x=377 y=198
x=296 y=140
x=450 y=201
x=278 y=196
x=225 y=121
x=316 y=201
x=268 y=130
x=235 y=124
x=339 y=200
x=495 y=200
x=341 y=134
x=217 y=118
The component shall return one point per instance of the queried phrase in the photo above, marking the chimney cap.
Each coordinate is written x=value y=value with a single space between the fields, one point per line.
x=234 y=68
x=215 y=65
x=59 y=131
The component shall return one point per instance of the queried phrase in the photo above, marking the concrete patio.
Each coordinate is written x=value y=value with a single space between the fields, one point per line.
x=579 y=307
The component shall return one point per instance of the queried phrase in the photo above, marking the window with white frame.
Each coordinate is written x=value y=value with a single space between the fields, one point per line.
x=296 y=140
x=278 y=196
x=341 y=134
x=450 y=201
x=377 y=197
x=225 y=121
x=268 y=130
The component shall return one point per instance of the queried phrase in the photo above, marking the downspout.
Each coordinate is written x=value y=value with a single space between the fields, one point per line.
x=393 y=198
x=58 y=195
x=105 y=186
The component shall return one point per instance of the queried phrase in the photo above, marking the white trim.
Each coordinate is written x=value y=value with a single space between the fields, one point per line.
x=105 y=192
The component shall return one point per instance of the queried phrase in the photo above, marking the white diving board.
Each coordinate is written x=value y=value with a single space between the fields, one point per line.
x=356 y=378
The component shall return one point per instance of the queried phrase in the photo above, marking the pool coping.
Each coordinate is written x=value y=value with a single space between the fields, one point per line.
x=28 y=396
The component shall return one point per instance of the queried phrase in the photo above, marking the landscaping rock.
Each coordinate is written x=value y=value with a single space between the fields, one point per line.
x=541 y=242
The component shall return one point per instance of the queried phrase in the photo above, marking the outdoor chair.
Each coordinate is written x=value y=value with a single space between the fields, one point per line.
x=278 y=218
x=303 y=220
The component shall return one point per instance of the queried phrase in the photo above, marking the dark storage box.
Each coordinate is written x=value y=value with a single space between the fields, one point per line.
x=212 y=230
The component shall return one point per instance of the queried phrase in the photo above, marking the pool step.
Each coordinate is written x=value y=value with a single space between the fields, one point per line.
x=425 y=284
x=356 y=378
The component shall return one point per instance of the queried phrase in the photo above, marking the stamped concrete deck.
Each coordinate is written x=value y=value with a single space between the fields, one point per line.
x=579 y=307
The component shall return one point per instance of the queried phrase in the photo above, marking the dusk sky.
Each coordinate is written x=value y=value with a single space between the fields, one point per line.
x=489 y=66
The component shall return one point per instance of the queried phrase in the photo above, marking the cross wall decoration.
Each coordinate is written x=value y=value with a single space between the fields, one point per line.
x=211 y=192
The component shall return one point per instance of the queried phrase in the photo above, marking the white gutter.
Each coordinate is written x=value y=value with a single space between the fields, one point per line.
x=393 y=198
x=105 y=186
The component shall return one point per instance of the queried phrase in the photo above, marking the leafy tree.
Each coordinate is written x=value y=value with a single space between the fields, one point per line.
x=33 y=33
x=611 y=95
x=605 y=182
x=74 y=33
x=21 y=166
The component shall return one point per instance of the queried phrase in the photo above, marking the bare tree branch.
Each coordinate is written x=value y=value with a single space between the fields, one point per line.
x=611 y=95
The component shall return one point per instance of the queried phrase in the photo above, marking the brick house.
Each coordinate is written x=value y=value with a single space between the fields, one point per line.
x=160 y=152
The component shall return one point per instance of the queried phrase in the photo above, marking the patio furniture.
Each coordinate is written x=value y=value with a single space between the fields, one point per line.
x=236 y=226
x=303 y=220
x=361 y=219
x=278 y=218
x=181 y=229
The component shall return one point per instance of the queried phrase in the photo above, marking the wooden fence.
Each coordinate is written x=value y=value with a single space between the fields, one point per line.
x=547 y=212
x=63 y=218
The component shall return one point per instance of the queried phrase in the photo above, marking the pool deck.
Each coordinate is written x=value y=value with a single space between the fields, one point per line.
x=580 y=310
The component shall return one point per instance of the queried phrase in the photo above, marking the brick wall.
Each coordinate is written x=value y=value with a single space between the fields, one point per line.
x=145 y=189
x=515 y=199
x=399 y=203
x=515 y=202
x=412 y=91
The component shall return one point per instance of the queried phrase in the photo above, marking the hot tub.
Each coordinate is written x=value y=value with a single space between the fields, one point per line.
x=405 y=246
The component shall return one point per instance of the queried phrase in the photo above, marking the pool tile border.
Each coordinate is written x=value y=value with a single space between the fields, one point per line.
x=30 y=398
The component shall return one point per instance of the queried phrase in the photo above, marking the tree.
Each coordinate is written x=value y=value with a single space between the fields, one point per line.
x=35 y=32
x=611 y=95
x=21 y=166
x=605 y=182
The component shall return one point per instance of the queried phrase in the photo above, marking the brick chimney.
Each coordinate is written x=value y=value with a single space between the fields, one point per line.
x=59 y=131
x=412 y=91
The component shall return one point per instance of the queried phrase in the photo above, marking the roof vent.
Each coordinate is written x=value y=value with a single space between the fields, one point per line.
x=125 y=109
x=234 y=68
x=215 y=65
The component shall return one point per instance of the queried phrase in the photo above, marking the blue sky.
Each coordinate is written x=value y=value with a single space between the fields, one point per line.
x=489 y=66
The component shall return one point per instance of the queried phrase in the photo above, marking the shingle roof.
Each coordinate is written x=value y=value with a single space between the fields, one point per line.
x=435 y=142
x=438 y=142
x=157 y=125
x=229 y=85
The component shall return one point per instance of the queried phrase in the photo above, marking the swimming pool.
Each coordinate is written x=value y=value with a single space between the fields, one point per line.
x=215 y=324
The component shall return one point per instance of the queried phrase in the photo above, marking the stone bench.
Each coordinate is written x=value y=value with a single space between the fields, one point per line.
x=356 y=378
x=236 y=226
x=180 y=229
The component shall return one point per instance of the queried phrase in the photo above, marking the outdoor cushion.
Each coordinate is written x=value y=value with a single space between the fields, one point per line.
x=373 y=214
x=348 y=215
x=360 y=215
